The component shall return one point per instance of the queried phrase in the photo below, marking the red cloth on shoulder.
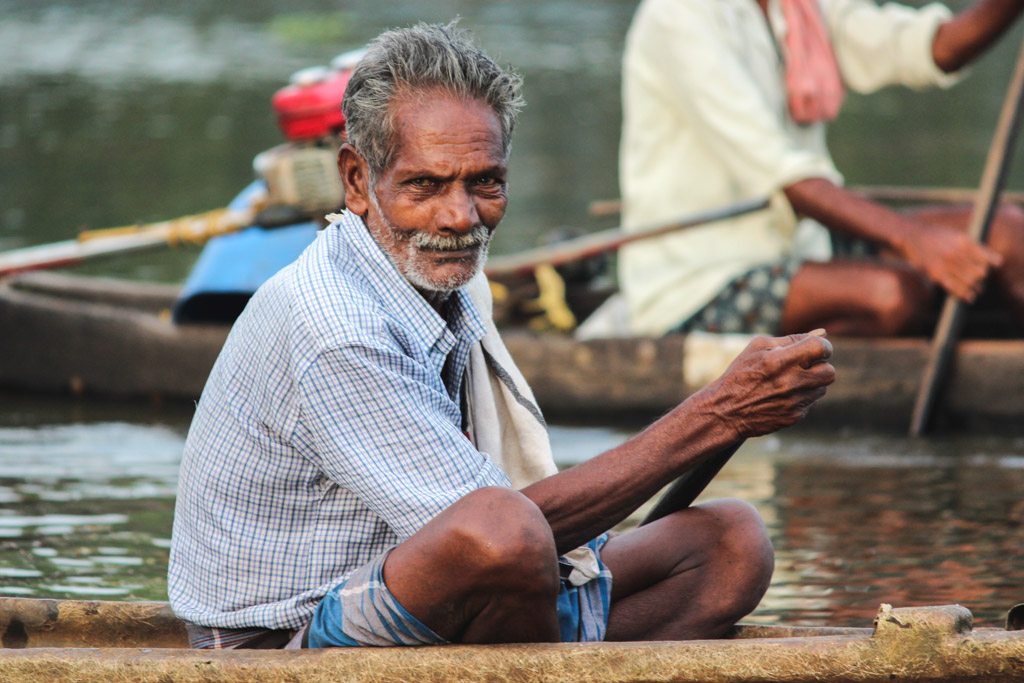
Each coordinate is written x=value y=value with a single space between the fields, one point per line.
x=813 y=84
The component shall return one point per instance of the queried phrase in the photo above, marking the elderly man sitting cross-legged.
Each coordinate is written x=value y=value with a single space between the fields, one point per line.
x=366 y=465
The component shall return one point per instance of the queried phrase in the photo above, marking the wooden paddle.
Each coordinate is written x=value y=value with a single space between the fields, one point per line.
x=524 y=262
x=951 y=320
x=685 y=489
x=1015 y=618
x=879 y=193
x=688 y=486
x=200 y=227
x=936 y=195
x=194 y=229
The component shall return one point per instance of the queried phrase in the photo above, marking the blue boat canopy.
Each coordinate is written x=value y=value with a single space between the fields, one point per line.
x=231 y=267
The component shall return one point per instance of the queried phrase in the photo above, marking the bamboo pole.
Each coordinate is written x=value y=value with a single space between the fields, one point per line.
x=688 y=486
x=878 y=193
x=951 y=320
x=937 y=195
x=195 y=229
x=525 y=262
x=91 y=244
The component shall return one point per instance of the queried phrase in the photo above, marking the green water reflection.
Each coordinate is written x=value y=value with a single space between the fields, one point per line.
x=86 y=497
x=864 y=520
x=73 y=523
x=143 y=111
x=86 y=506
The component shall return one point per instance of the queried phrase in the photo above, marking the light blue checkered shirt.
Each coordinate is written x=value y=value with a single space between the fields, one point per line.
x=330 y=429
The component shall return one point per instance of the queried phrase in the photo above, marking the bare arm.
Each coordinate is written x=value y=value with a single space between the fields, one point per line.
x=769 y=386
x=964 y=37
x=944 y=255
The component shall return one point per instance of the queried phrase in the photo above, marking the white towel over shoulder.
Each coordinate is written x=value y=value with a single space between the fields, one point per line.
x=503 y=416
x=505 y=421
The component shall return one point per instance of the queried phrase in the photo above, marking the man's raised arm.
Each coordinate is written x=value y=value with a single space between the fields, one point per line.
x=964 y=37
x=943 y=254
x=770 y=385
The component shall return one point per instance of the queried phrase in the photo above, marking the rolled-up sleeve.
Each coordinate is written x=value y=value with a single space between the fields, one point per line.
x=689 y=52
x=890 y=44
x=379 y=426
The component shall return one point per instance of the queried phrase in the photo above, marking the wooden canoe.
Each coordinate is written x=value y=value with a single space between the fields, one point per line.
x=104 y=337
x=57 y=641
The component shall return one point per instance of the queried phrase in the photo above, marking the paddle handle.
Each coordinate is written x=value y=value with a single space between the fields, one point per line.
x=951 y=320
x=879 y=193
x=936 y=195
x=684 y=490
x=524 y=263
x=194 y=229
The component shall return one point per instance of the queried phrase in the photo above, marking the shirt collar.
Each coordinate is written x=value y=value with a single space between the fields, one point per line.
x=463 y=319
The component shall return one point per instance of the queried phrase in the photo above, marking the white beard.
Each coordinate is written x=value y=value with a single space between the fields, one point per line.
x=404 y=248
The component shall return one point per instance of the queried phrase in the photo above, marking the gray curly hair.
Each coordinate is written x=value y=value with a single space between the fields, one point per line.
x=423 y=56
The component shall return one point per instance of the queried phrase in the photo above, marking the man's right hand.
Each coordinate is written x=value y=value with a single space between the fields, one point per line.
x=942 y=253
x=770 y=385
x=947 y=256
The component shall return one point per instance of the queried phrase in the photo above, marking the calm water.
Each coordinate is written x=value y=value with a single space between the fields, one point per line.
x=86 y=498
x=114 y=112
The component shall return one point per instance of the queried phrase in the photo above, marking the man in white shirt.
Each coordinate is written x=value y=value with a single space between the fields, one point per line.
x=707 y=123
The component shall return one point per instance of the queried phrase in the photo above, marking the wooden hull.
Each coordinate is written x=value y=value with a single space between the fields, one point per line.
x=876 y=383
x=101 y=337
x=64 y=334
x=76 y=641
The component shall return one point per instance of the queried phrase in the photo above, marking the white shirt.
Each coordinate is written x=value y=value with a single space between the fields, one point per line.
x=706 y=124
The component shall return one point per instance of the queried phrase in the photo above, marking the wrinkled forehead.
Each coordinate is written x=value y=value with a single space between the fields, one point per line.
x=442 y=116
x=434 y=121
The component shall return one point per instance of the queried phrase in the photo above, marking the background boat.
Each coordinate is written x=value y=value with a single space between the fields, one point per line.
x=124 y=343
x=125 y=348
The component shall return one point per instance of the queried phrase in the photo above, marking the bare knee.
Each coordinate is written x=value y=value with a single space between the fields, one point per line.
x=740 y=528
x=1010 y=214
x=743 y=552
x=1007 y=232
x=898 y=299
x=505 y=543
x=483 y=570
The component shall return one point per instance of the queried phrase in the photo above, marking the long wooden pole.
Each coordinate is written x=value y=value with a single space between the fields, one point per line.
x=194 y=229
x=951 y=320
x=203 y=226
x=936 y=195
x=878 y=193
x=525 y=262
x=684 y=490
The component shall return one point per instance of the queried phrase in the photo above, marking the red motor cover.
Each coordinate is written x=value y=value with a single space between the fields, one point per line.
x=312 y=109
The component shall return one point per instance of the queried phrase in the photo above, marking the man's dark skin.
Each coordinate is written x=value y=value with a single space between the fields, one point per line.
x=931 y=246
x=485 y=569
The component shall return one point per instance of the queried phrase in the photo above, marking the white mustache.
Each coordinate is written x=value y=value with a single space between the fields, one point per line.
x=475 y=238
